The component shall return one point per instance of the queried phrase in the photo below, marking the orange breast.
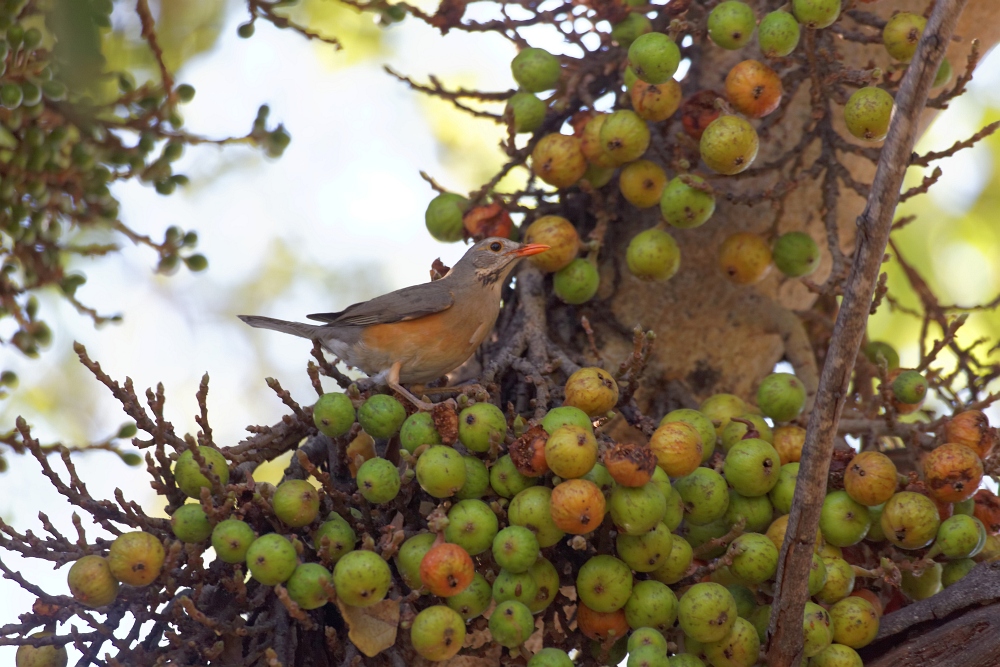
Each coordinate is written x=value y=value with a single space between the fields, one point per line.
x=428 y=347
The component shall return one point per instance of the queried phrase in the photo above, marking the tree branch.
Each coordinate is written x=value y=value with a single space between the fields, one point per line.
x=874 y=225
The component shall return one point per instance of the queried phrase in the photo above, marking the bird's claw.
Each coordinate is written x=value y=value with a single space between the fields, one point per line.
x=422 y=405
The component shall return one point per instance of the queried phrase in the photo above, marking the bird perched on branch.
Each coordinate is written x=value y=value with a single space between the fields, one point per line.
x=419 y=333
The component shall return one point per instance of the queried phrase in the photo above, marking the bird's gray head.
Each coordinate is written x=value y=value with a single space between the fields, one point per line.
x=491 y=260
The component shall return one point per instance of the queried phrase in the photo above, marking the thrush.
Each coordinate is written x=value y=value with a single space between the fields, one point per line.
x=418 y=333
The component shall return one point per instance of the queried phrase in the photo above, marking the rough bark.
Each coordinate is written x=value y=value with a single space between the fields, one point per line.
x=959 y=627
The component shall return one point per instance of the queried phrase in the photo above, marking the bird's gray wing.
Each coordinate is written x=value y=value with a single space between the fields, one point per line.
x=406 y=304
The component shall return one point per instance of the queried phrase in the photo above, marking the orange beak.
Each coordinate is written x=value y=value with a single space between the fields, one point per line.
x=530 y=249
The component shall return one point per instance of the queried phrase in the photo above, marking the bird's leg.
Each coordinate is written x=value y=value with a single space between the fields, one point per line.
x=392 y=379
x=440 y=390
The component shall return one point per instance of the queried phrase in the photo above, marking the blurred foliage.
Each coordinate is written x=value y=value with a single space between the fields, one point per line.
x=85 y=103
x=958 y=254
x=357 y=31
x=468 y=147
x=184 y=29
x=187 y=28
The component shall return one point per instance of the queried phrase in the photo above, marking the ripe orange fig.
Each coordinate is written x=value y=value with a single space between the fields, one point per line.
x=577 y=506
x=447 y=569
x=972 y=429
x=753 y=88
x=987 y=510
x=601 y=625
x=952 y=472
x=656 y=102
x=560 y=235
x=642 y=182
x=678 y=448
x=579 y=120
x=870 y=478
x=630 y=464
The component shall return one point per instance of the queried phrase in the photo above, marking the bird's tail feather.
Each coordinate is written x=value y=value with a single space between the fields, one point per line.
x=294 y=328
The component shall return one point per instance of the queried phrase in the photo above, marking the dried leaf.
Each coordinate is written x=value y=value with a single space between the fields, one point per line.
x=44 y=609
x=360 y=450
x=372 y=629
x=490 y=220
x=536 y=641
x=439 y=269
x=477 y=638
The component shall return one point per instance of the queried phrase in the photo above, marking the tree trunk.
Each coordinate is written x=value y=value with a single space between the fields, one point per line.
x=959 y=627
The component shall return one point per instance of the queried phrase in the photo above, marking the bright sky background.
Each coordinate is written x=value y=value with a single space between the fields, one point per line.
x=346 y=196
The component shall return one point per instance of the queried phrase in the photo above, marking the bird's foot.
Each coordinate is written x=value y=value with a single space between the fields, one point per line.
x=421 y=405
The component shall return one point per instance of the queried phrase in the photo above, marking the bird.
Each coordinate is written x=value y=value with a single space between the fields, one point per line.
x=422 y=332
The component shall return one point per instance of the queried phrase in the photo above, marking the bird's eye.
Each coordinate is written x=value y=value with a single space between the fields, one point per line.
x=495 y=247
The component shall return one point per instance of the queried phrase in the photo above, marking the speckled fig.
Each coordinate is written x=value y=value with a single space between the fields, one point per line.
x=731 y=24
x=653 y=255
x=642 y=182
x=796 y=254
x=560 y=235
x=271 y=559
x=778 y=34
x=535 y=70
x=729 y=145
x=745 y=258
x=480 y=426
x=868 y=113
x=655 y=102
x=558 y=160
x=624 y=136
x=654 y=57
x=333 y=413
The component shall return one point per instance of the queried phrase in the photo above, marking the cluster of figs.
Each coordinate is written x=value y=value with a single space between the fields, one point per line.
x=510 y=513
x=595 y=147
